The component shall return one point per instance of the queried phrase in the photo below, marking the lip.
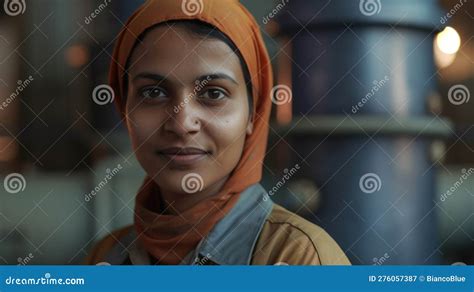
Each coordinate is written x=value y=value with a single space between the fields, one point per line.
x=183 y=155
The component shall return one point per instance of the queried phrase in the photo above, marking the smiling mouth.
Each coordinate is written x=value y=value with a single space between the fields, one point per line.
x=183 y=156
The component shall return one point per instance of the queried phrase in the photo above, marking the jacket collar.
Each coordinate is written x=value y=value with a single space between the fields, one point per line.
x=230 y=242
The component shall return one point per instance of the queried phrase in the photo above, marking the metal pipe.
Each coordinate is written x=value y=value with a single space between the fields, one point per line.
x=362 y=74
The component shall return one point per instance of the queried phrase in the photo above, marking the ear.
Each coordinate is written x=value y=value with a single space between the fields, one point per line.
x=249 y=129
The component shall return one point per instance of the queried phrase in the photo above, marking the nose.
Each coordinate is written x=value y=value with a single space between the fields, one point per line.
x=184 y=118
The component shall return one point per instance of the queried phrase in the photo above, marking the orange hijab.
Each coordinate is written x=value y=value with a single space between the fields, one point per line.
x=169 y=238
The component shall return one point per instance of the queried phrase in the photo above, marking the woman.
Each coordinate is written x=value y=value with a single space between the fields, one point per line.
x=194 y=88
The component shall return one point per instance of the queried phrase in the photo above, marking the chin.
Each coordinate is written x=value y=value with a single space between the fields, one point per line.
x=180 y=181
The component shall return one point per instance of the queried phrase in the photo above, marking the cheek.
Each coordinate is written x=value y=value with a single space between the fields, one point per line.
x=142 y=125
x=229 y=133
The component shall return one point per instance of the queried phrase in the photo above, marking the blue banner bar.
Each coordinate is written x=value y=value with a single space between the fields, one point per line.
x=236 y=278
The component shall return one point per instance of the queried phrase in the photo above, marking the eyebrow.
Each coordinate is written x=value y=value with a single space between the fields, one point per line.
x=147 y=75
x=161 y=78
x=217 y=76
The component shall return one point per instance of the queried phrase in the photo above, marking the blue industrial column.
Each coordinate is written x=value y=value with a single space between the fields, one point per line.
x=364 y=96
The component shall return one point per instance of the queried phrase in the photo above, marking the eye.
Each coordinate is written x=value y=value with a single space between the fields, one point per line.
x=214 y=94
x=152 y=92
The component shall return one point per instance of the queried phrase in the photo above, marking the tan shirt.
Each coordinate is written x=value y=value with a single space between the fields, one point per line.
x=285 y=238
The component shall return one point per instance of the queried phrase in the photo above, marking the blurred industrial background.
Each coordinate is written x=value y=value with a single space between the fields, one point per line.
x=376 y=112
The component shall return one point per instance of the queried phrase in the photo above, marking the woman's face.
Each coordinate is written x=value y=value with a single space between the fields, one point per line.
x=187 y=109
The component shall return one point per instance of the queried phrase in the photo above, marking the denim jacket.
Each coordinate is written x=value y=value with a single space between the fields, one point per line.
x=256 y=231
x=230 y=242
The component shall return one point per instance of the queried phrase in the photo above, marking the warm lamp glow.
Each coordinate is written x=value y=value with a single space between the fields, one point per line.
x=448 y=41
x=447 y=44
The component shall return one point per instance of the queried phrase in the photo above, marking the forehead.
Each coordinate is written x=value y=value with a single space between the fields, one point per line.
x=176 y=52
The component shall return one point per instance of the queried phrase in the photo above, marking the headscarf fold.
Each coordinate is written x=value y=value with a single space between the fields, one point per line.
x=169 y=238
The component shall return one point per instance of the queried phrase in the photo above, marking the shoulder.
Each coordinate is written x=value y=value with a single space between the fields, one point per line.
x=100 y=250
x=290 y=239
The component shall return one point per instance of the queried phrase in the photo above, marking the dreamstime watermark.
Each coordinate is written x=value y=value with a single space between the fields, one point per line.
x=281 y=94
x=14 y=183
x=370 y=7
x=380 y=261
x=22 y=85
x=88 y=19
x=199 y=85
x=109 y=175
x=452 y=11
x=459 y=94
x=26 y=260
x=46 y=280
x=192 y=7
x=202 y=261
x=14 y=7
x=465 y=175
x=192 y=183
x=370 y=183
x=275 y=11
x=377 y=85
x=103 y=94
x=289 y=173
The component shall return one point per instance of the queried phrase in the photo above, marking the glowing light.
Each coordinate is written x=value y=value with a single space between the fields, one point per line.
x=447 y=44
x=77 y=56
x=448 y=41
